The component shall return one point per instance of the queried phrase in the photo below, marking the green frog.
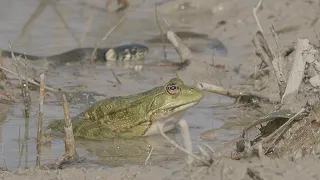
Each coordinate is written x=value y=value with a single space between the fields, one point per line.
x=134 y=115
x=148 y=113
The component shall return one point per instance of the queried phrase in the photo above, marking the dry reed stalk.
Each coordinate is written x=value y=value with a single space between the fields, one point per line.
x=40 y=121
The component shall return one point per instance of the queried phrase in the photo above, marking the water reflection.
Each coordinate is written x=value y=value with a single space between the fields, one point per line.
x=120 y=152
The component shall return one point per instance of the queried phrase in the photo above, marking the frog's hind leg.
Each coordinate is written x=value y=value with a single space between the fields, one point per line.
x=185 y=136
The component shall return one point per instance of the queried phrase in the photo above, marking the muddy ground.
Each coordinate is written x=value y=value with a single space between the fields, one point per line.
x=230 y=21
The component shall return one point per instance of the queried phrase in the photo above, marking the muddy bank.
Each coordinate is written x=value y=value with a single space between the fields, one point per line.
x=254 y=168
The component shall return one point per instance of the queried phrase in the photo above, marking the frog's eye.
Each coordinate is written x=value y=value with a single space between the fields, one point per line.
x=172 y=89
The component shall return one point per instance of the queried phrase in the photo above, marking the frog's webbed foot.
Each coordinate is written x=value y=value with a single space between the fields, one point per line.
x=185 y=138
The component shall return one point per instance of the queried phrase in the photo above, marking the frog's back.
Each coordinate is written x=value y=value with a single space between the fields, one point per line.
x=120 y=113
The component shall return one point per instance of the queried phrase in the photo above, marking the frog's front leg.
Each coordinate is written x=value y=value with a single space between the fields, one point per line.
x=185 y=138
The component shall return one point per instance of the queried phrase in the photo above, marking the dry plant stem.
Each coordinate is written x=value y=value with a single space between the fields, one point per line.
x=115 y=76
x=16 y=66
x=281 y=128
x=260 y=50
x=23 y=90
x=160 y=129
x=149 y=155
x=303 y=52
x=279 y=66
x=110 y=31
x=69 y=138
x=255 y=9
x=183 y=51
x=40 y=121
x=231 y=93
x=69 y=142
x=161 y=32
x=27 y=93
x=30 y=80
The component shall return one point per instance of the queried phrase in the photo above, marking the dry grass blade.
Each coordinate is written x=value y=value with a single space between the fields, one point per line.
x=110 y=31
x=24 y=90
x=40 y=121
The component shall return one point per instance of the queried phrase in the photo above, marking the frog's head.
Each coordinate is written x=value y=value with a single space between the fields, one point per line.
x=174 y=97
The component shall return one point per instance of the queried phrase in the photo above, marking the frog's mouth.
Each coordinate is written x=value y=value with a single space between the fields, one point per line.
x=163 y=113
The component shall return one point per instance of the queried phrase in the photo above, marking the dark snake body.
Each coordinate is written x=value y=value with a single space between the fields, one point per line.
x=126 y=52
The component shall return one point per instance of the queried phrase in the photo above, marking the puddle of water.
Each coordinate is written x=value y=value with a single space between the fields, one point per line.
x=49 y=38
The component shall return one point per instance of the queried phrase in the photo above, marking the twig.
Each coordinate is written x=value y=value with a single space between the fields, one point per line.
x=115 y=76
x=262 y=49
x=40 y=121
x=232 y=93
x=178 y=146
x=32 y=81
x=161 y=32
x=255 y=9
x=278 y=65
x=16 y=66
x=183 y=51
x=69 y=142
x=281 y=128
x=149 y=155
x=110 y=31
x=24 y=92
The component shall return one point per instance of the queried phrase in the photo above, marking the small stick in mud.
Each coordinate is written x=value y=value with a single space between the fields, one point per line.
x=183 y=51
x=161 y=32
x=115 y=76
x=69 y=142
x=280 y=130
x=232 y=93
x=40 y=121
x=70 y=153
x=93 y=55
x=32 y=81
x=160 y=129
x=255 y=9
x=24 y=91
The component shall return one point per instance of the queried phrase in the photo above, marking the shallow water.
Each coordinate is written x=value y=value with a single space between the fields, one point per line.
x=47 y=35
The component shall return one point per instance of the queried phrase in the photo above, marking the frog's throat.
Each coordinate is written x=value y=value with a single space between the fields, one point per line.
x=164 y=113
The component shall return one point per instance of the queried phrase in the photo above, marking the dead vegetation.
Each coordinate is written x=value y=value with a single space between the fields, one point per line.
x=291 y=130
